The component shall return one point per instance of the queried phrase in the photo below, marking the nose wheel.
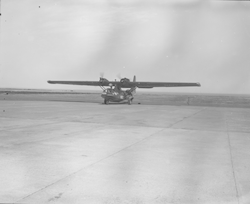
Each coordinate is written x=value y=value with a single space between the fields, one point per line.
x=130 y=100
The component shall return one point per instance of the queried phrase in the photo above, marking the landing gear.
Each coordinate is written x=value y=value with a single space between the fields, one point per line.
x=129 y=101
x=106 y=101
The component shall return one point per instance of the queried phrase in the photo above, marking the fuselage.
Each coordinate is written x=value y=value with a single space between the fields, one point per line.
x=115 y=95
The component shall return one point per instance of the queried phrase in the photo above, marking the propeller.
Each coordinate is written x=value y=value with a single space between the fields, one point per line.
x=101 y=74
x=102 y=79
x=119 y=76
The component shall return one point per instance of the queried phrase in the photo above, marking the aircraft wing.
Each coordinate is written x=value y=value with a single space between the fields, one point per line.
x=86 y=83
x=126 y=84
x=164 y=84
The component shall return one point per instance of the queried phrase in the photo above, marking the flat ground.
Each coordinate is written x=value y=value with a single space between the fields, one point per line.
x=66 y=151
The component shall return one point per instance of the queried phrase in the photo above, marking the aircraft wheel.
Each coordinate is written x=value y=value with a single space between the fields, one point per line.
x=129 y=102
x=106 y=101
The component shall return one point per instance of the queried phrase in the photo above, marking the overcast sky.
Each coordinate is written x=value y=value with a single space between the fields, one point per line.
x=175 y=41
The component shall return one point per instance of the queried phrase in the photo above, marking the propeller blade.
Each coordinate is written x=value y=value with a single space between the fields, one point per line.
x=101 y=74
x=119 y=76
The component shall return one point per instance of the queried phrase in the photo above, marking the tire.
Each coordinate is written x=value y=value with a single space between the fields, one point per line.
x=106 y=102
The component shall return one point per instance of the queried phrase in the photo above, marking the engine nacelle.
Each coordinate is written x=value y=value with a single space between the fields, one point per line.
x=124 y=80
x=103 y=80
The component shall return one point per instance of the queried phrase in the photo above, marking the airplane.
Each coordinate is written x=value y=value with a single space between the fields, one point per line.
x=115 y=93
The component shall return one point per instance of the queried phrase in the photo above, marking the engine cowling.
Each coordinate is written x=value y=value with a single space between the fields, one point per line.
x=124 y=80
x=103 y=80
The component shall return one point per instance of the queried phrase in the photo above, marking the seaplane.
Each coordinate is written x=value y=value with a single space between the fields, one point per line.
x=113 y=90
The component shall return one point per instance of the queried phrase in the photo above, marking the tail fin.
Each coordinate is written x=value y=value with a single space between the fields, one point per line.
x=134 y=80
x=133 y=89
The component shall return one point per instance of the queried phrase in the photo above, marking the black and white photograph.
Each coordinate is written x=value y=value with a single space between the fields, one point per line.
x=124 y=101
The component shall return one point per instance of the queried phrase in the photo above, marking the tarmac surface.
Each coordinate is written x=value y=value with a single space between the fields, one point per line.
x=65 y=151
x=143 y=98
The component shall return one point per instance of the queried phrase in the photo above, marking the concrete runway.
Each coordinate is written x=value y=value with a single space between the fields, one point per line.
x=73 y=152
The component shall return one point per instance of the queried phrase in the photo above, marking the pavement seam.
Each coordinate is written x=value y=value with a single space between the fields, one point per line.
x=208 y=130
x=90 y=165
x=232 y=164
x=29 y=126
x=184 y=118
